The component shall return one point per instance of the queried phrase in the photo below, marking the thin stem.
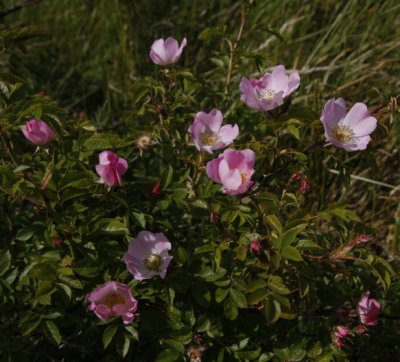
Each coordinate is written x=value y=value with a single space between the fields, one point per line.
x=233 y=49
x=8 y=150
x=360 y=178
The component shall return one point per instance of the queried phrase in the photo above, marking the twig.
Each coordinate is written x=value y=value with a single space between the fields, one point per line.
x=232 y=49
x=368 y=180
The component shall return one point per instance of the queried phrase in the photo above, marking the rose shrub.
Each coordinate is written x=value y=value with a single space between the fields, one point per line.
x=183 y=248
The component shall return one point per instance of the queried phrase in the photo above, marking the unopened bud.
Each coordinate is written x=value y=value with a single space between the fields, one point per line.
x=305 y=186
x=296 y=176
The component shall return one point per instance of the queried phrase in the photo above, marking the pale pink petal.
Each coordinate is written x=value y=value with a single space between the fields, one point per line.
x=212 y=170
x=212 y=120
x=233 y=157
x=103 y=312
x=122 y=166
x=230 y=179
x=248 y=94
x=157 y=53
x=359 y=144
x=106 y=174
x=171 y=49
x=98 y=294
x=364 y=127
x=179 y=52
x=279 y=80
x=334 y=111
x=228 y=133
x=294 y=82
x=249 y=157
x=358 y=112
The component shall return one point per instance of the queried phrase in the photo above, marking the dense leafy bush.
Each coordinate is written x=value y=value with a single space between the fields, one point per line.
x=271 y=271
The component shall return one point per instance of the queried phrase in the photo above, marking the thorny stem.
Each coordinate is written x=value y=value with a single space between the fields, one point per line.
x=198 y=165
x=232 y=49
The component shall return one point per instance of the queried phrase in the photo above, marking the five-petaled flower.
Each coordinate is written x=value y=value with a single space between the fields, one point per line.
x=113 y=299
x=368 y=310
x=111 y=168
x=349 y=130
x=166 y=52
x=233 y=169
x=269 y=91
x=148 y=256
x=38 y=132
x=209 y=134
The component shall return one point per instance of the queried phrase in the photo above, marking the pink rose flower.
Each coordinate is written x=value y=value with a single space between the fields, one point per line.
x=349 y=130
x=147 y=255
x=368 y=309
x=233 y=169
x=111 y=168
x=113 y=299
x=270 y=91
x=207 y=133
x=38 y=132
x=166 y=52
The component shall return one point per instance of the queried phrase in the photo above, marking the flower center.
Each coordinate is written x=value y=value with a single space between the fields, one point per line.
x=244 y=177
x=209 y=139
x=113 y=299
x=143 y=141
x=343 y=133
x=153 y=262
x=266 y=95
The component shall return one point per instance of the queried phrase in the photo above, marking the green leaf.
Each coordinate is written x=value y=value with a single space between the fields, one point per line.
x=258 y=295
x=272 y=310
x=286 y=238
x=66 y=289
x=291 y=253
x=111 y=226
x=275 y=284
x=167 y=177
x=294 y=131
x=123 y=345
x=53 y=330
x=220 y=294
x=133 y=332
x=274 y=222
x=139 y=216
x=109 y=334
x=230 y=309
x=5 y=261
x=238 y=297
x=203 y=323
x=168 y=355
x=24 y=234
x=200 y=204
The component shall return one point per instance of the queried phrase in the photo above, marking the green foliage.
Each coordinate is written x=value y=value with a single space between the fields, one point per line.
x=62 y=233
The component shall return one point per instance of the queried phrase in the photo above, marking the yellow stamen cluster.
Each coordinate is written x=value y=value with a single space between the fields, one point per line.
x=153 y=262
x=266 y=94
x=113 y=299
x=209 y=139
x=343 y=133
